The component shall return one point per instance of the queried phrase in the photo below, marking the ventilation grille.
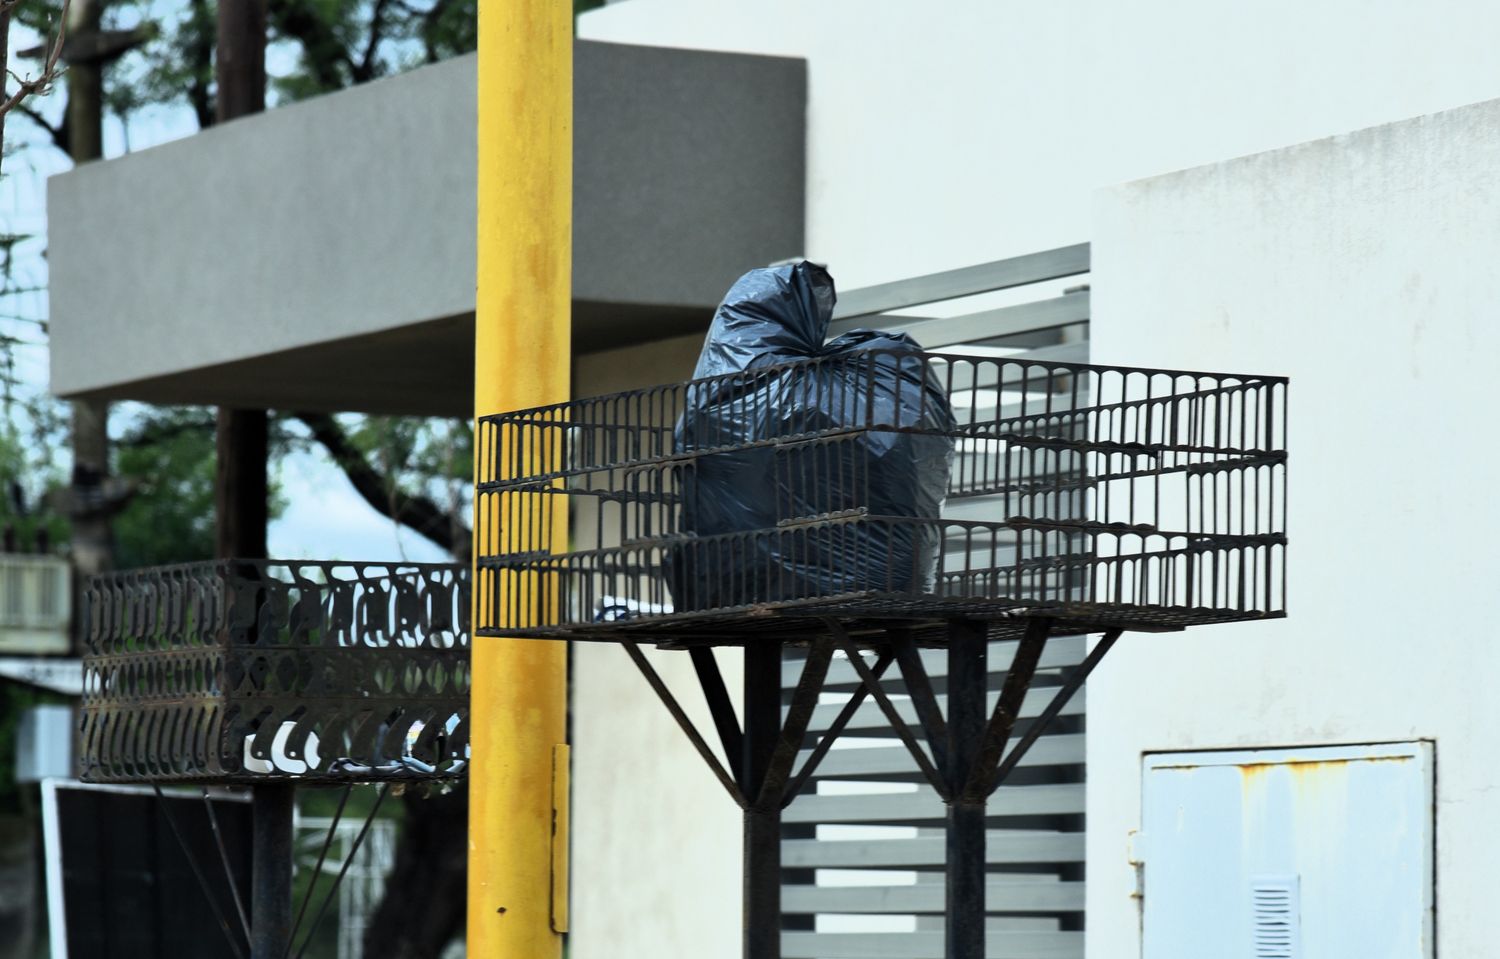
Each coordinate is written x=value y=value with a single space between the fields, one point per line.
x=1275 y=921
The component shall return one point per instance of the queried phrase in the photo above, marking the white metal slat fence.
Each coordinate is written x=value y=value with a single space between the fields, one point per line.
x=863 y=848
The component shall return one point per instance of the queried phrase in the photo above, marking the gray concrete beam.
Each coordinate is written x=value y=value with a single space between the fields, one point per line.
x=322 y=255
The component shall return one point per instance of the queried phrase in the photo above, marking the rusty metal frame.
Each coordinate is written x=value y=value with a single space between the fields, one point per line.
x=190 y=671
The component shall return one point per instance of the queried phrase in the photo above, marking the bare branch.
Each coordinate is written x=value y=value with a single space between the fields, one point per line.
x=366 y=69
x=57 y=132
x=42 y=81
x=416 y=512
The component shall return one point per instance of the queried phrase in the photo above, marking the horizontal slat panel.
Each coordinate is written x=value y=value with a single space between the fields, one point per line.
x=965 y=281
x=1001 y=897
x=923 y=807
x=984 y=509
x=1062 y=353
x=927 y=945
x=895 y=763
x=986 y=468
x=1060 y=651
x=938 y=332
x=869 y=717
x=934 y=333
x=1002 y=848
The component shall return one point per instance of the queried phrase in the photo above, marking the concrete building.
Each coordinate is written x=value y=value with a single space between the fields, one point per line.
x=1312 y=781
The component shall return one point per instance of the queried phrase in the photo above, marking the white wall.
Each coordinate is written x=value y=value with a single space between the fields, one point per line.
x=656 y=840
x=1363 y=267
x=944 y=134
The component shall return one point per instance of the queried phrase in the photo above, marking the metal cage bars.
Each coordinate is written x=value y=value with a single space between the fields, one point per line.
x=1101 y=497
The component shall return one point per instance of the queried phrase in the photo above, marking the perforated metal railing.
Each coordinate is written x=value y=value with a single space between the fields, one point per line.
x=250 y=671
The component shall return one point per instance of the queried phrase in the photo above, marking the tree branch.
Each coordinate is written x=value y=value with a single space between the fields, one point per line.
x=325 y=52
x=43 y=80
x=430 y=21
x=200 y=52
x=416 y=512
x=58 y=133
x=366 y=68
x=154 y=432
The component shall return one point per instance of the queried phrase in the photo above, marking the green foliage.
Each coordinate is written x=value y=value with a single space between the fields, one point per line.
x=417 y=456
x=169 y=455
x=170 y=519
x=29 y=473
x=416 y=471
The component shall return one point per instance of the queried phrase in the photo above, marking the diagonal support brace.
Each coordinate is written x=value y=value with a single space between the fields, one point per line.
x=892 y=715
x=1007 y=710
x=686 y=724
x=773 y=792
x=840 y=722
x=1060 y=699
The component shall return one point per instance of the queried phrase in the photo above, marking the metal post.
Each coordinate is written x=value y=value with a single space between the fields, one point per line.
x=271 y=871
x=968 y=678
x=762 y=905
x=517 y=887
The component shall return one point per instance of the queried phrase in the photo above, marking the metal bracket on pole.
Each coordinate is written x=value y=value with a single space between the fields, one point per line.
x=969 y=759
x=1007 y=710
x=1060 y=699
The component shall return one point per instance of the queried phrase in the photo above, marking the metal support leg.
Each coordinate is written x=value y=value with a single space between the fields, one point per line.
x=271 y=871
x=967 y=681
x=762 y=905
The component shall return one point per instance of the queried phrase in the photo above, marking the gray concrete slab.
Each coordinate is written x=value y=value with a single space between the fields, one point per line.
x=322 y=255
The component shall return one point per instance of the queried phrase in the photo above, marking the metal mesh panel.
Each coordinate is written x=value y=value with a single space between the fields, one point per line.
x=1147 y=499
x=252 y=671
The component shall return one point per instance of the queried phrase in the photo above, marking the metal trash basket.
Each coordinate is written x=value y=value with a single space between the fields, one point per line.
x=1097 y=497
x=256 y=671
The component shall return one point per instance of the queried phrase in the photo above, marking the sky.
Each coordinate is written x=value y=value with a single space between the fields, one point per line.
x=324 y=518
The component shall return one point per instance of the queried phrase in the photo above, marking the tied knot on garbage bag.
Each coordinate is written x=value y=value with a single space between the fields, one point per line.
x=801 y=445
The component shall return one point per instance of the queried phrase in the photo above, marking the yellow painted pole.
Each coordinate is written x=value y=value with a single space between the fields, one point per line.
x=517 y=906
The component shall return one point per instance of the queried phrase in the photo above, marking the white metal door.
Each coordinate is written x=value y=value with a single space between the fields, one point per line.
x=1317 y=853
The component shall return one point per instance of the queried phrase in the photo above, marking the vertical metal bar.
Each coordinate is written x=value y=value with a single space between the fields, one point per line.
x=967 y=681
x=762 y=823
x=793 y=731
x=997 y=732
x=271 y=870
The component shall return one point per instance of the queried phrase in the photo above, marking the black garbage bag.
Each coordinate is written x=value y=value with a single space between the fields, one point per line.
x=810 y=453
